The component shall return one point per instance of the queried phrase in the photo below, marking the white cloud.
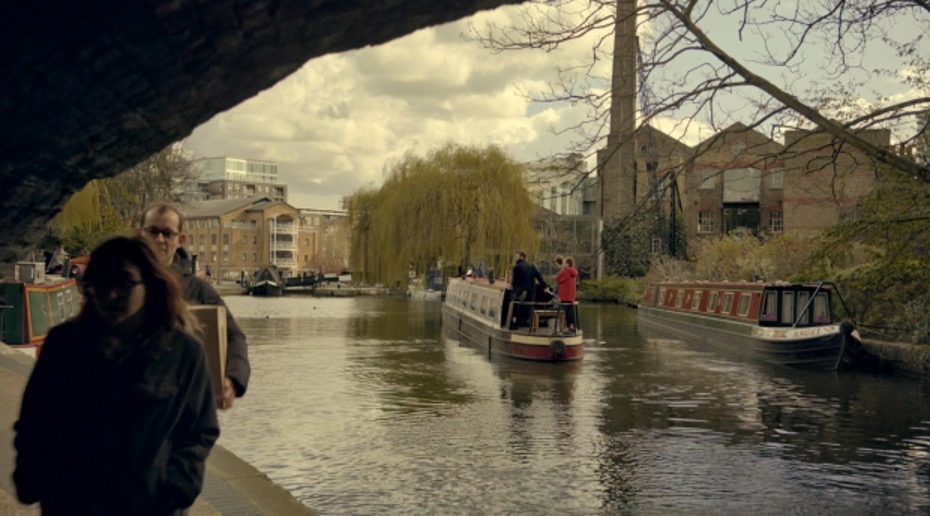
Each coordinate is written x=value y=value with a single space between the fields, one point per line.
x=333 y=124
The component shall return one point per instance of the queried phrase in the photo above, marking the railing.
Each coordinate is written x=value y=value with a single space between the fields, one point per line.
x=287 y=227
x=285 y=262
x=285 y=246
x=240 y=225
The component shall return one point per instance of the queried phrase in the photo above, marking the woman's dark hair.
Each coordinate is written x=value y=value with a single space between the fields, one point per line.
x=165 y=308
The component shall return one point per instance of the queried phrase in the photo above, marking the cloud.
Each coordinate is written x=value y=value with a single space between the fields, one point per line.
x=333 y=125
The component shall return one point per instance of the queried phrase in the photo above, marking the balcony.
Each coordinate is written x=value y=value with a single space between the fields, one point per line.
x=283 y=227
x=241 y=225
x=285 y=246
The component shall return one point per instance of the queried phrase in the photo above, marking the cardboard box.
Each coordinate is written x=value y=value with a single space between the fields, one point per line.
x=212 y=333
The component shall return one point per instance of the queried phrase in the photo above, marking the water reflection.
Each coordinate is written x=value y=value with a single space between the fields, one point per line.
x=359 y=406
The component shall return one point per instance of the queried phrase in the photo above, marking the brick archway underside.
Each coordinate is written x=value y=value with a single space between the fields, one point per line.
x=89 y=88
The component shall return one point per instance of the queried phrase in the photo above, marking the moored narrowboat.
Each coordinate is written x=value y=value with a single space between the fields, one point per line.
x=791 y=324
x=28 y=310
x=480 y=313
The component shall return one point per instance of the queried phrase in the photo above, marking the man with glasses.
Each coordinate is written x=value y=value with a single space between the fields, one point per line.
x=162 y=224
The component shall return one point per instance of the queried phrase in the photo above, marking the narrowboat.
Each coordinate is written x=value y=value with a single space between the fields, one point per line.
x=267 y=283
x=790 y=324
x=32 y=303
x=480 y=312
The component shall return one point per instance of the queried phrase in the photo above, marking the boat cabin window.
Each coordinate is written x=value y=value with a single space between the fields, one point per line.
x=492 y=309
x=696 y=301
x=661 y=299
x=769 y=306
x=712 y=302
x=727 y=302
x=787 y=307
x=679 y=298
x=474 y=300
x=484 y=304
x=803 y=298
x=822 y=308
x=744 y=300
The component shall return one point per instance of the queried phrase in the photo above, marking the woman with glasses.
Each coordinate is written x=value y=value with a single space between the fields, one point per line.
x=118 y=416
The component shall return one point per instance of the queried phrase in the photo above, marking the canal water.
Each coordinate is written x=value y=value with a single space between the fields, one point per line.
x=360 y=406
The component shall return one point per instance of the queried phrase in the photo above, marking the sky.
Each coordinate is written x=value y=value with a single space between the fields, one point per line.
x=334 y=124
x=337 y=123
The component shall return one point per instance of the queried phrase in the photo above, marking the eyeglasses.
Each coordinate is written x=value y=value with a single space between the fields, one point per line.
x=122 y=287
x=168 y=234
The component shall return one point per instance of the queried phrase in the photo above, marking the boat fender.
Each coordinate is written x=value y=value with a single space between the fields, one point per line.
x=847 y=327
x=557 y=346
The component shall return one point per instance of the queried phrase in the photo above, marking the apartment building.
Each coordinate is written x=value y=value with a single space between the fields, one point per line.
x=235 y=178
x=233 y=236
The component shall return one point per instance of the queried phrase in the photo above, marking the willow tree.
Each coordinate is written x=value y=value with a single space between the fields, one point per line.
x=87 y=218
x=458 y=205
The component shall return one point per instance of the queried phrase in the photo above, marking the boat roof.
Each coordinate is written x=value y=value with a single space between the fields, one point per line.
x=723 y=285
x=483 y=282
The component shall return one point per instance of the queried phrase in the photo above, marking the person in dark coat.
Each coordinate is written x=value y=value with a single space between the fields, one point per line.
x=524 y=281
x=118 y=416
x=163 y=225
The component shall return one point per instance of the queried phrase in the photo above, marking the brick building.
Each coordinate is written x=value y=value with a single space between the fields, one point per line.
x=240 y=235
x=740 y=178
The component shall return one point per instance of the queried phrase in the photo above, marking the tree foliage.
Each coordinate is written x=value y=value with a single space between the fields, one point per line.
x=881 y=254
x=87 y=219
x=457 y=205
x=628 y=244
x=112 y=205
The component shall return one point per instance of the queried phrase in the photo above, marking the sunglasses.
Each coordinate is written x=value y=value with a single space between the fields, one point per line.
x=167 y=234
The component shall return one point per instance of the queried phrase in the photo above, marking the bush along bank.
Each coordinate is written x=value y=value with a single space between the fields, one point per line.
x=612 y=289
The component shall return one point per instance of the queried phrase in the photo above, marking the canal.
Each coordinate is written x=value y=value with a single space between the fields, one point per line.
x=359 y=406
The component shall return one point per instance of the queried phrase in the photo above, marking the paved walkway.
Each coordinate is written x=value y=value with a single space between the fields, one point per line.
x=231 y=486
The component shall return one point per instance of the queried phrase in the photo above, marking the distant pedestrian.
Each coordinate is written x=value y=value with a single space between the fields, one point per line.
x=118 y=416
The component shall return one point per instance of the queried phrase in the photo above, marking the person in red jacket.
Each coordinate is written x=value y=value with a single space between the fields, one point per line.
x=567 y=279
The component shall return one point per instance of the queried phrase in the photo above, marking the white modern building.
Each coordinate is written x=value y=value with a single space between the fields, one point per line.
x=226 y=177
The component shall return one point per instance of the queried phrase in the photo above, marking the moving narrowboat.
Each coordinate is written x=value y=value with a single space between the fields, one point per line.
x=479 y=312
x=791 y=324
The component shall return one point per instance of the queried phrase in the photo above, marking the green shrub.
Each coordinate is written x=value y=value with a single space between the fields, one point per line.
x=614 y=289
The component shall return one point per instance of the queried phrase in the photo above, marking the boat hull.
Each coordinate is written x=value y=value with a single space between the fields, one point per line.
x=266 y=289
x=817 y=347
x=486 y=337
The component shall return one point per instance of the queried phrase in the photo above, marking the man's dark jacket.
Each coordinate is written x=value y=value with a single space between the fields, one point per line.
x=197 y=291
x=105 y=436
x=524 y=279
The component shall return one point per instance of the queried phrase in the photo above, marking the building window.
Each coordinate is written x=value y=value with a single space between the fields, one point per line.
x=225 y=256
x=656 y=245
x=213 y=256
x=254 y=257
x=244 y=256
x=776 y=222
x=254 y=240
x=306 y=258
x=225 y=239
x=777 y=179
x=201 y=241
x=706 y=222
x=707 y=179
x=213 y=241
x=245 y=239
x=306 y=241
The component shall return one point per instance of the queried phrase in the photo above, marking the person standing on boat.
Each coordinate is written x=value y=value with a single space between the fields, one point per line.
x=567 y=281
x=524 y=279
x=118 y=416
x=162 y=224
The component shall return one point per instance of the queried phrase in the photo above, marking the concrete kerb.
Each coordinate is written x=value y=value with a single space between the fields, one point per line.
x=231 y=486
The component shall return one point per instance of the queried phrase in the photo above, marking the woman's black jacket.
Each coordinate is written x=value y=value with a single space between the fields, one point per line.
x=99 y=435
